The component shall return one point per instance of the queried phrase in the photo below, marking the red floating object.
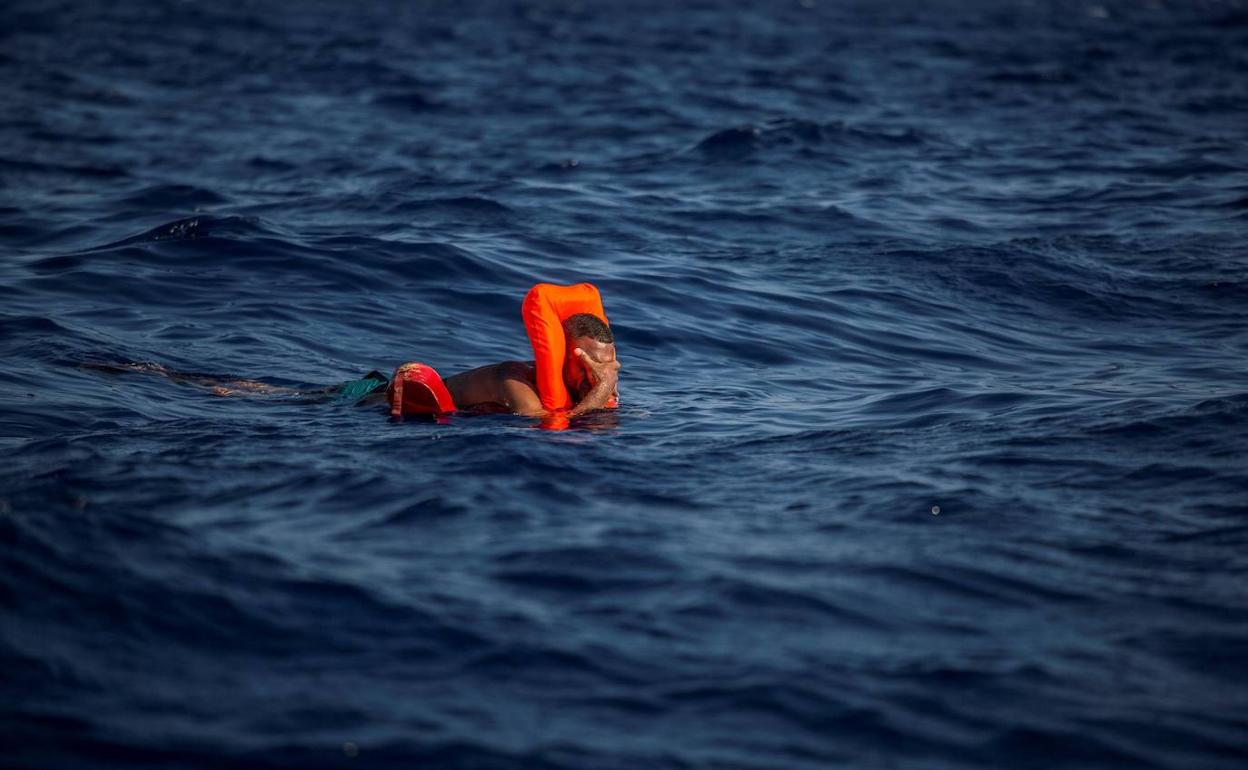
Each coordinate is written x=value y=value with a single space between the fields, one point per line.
x=417 y=389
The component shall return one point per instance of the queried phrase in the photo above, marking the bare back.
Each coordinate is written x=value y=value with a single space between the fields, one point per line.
x=508 y=386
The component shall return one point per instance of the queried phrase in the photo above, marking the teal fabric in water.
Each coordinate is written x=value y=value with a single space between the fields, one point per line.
x=350 y=392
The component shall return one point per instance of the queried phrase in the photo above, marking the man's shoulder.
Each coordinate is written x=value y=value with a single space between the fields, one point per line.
x=516 y=370
x=517 y=384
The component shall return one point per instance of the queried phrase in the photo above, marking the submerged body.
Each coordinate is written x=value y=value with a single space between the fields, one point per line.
x=591 y=376
x=501 y=387
x=586 y=371
x=590 y=373
x=575 y=369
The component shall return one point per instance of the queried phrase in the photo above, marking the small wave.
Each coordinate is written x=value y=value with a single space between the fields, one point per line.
x=65 y=169
x=102 y=139
x=583 y=570
x=731 y=141
x=1036 y=77
x=190 y=229
x=19 y=326
x=414 y=514
x=745 y=140
x=173 y=196
x=1217 y=104
x=1059 y=275
x=406 y=101
x=266 y=163
x=474 y=205
x=790 y=604
x=1236 y=19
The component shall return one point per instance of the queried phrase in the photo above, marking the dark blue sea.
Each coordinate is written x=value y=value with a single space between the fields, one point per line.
x=933 y=441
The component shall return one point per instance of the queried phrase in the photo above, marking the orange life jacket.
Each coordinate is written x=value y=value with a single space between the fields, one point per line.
x=545 y=308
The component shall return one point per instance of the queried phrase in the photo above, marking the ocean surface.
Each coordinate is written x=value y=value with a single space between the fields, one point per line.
x=933 y=442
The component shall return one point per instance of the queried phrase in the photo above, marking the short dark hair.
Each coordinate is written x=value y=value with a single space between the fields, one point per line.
x=587 y=325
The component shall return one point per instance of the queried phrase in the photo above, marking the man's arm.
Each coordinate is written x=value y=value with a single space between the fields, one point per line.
x=514 y=390
x=522 y=398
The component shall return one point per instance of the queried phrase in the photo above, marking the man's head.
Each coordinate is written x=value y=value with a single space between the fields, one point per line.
x=587 y=332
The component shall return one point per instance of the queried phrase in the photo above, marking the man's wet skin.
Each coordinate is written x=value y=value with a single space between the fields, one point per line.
x=218 y=385
x=590 y=372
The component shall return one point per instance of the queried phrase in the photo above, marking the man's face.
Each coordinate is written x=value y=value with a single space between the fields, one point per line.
x=574 y=374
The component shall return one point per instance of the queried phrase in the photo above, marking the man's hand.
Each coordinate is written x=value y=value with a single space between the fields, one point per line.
x=604 y=378
x=609 y=370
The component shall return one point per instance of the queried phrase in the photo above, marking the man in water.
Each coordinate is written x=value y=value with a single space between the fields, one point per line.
x=590 y=372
